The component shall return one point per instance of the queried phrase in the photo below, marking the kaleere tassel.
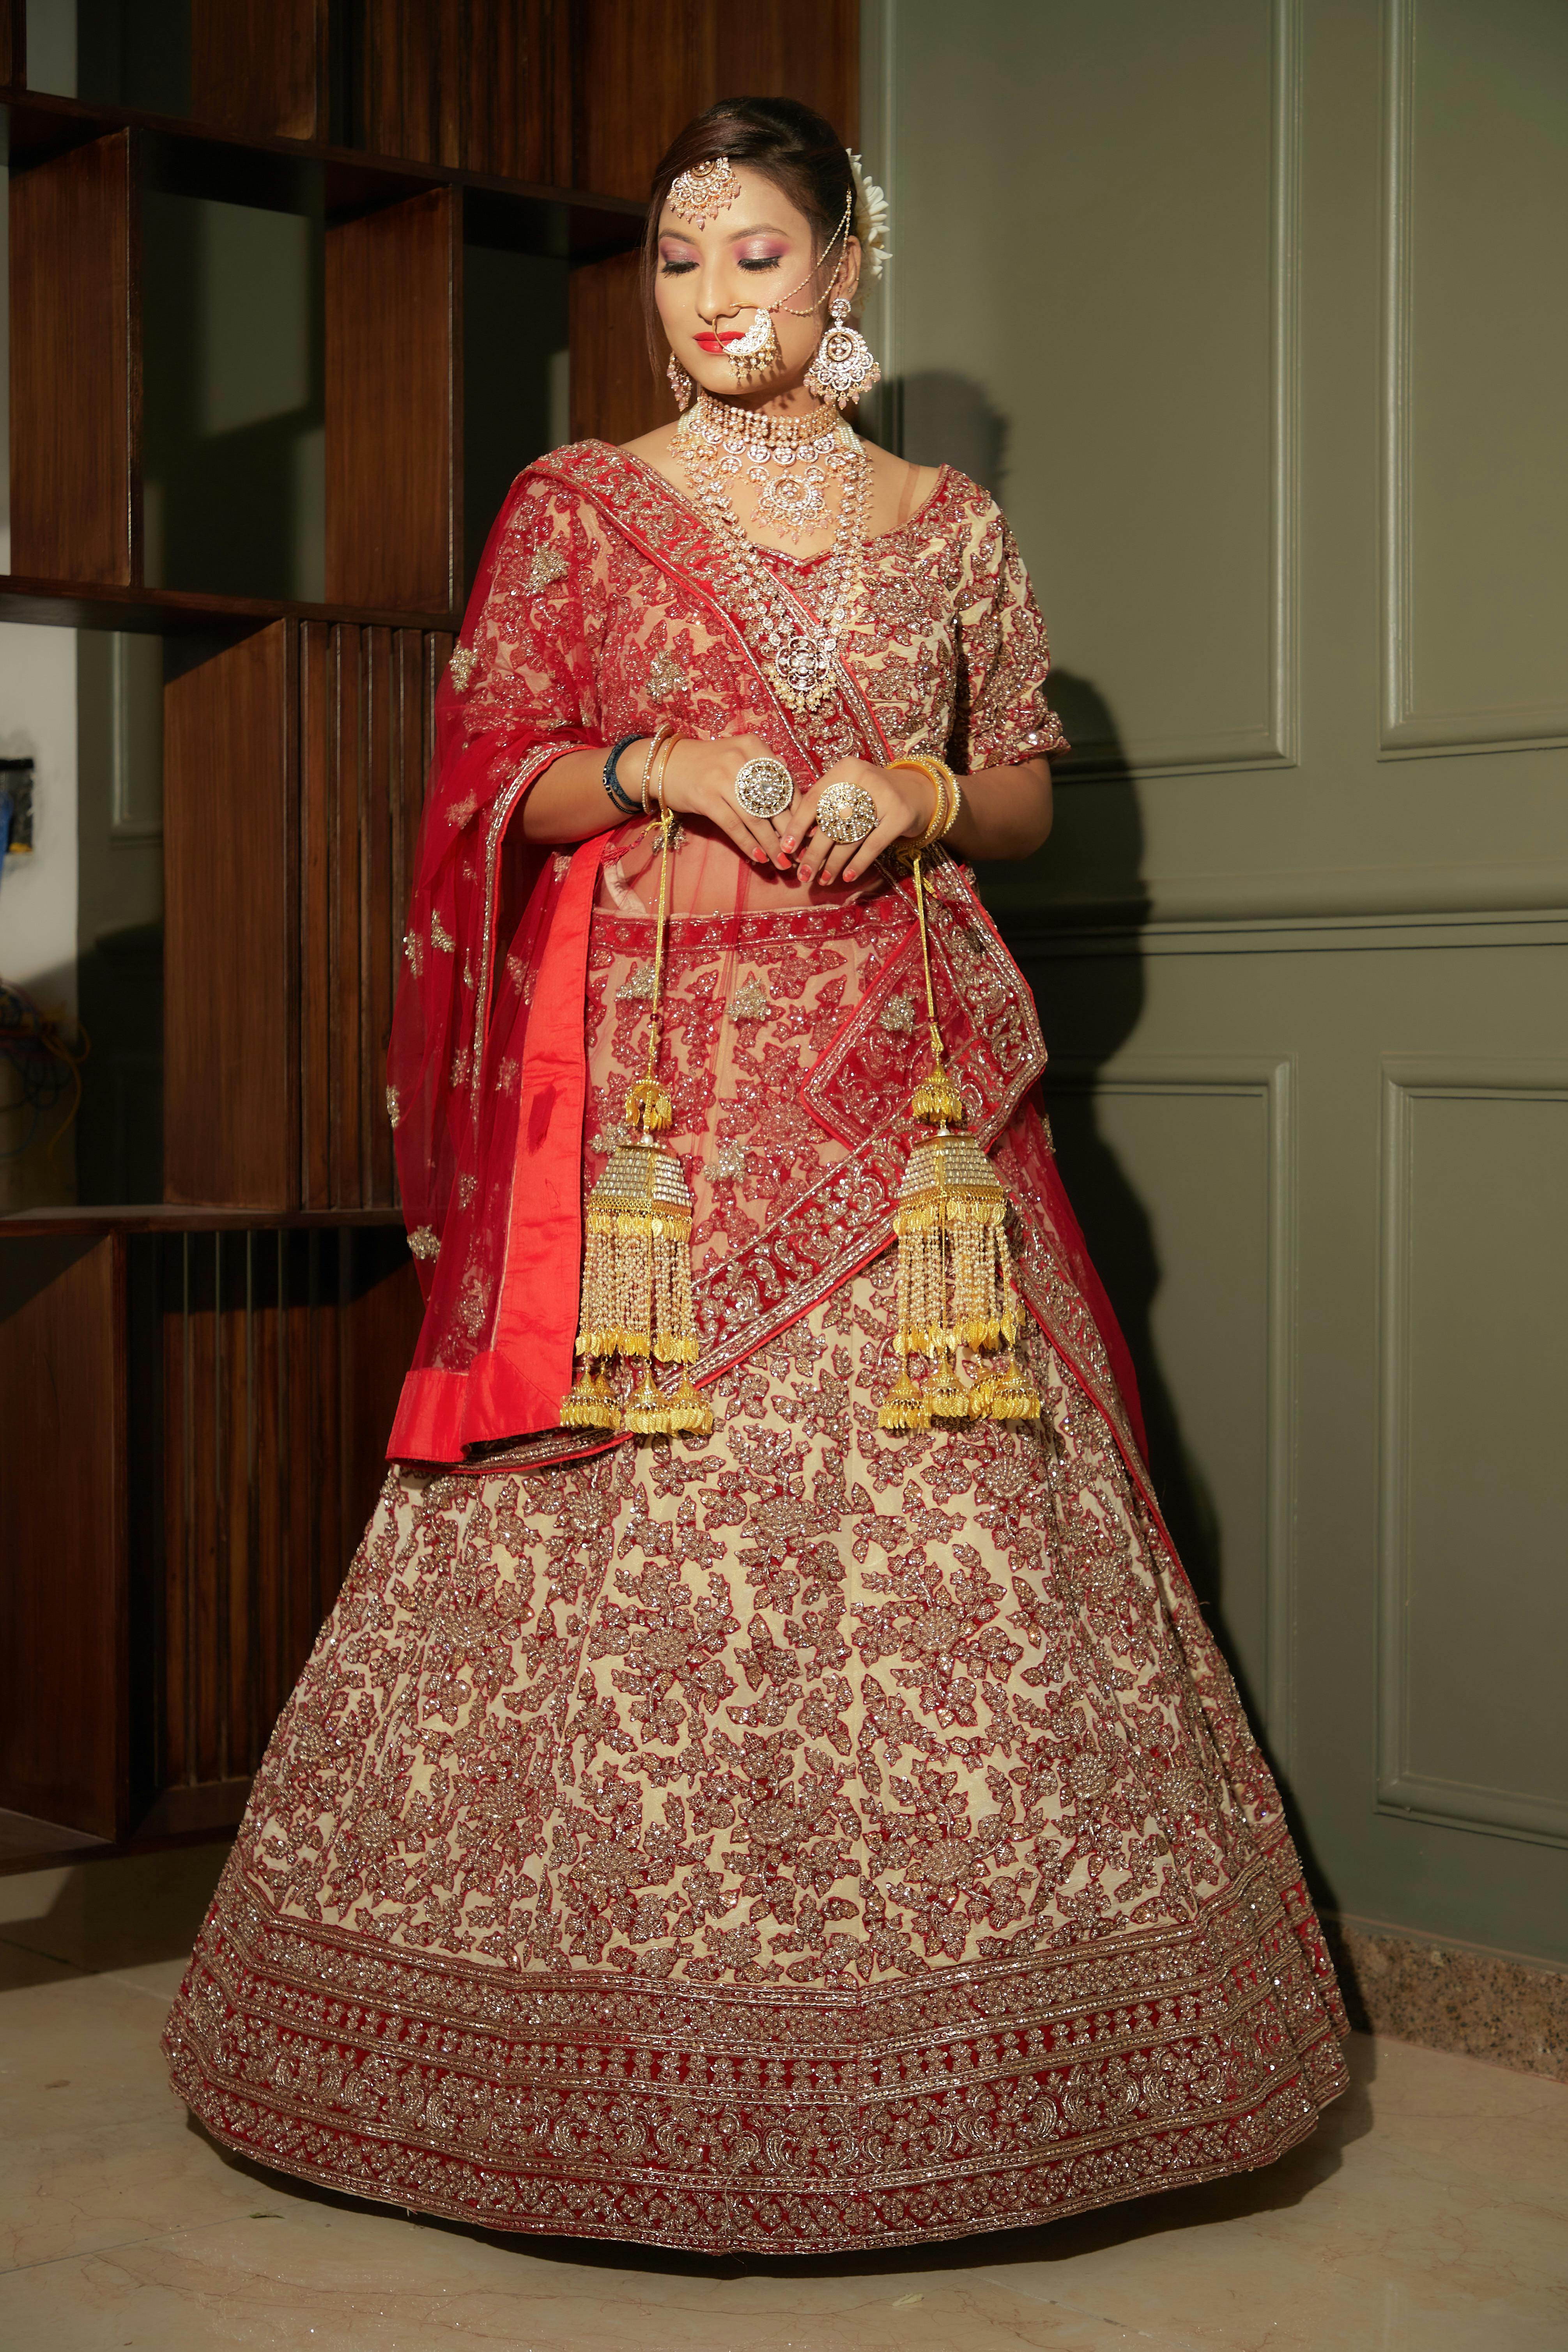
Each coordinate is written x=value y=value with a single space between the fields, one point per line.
x=955 y=1286
x=637 y=1261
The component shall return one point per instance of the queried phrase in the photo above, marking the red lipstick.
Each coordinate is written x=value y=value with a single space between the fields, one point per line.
x=716 y=342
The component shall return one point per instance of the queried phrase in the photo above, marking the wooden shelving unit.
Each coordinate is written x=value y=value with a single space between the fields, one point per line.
x=194 y=1394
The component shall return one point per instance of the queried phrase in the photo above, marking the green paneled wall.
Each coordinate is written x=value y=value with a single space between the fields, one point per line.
x=1252 y=313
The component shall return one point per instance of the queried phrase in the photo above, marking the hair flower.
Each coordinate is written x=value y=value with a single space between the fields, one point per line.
x=870 y=217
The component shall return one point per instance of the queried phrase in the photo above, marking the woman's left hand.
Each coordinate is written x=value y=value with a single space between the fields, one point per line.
x=905 y=799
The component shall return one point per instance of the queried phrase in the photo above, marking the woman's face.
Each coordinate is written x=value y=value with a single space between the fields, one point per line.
x=713 y=273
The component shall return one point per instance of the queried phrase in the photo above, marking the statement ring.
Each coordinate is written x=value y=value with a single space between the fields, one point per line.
x=847 y=814
x=764 y=787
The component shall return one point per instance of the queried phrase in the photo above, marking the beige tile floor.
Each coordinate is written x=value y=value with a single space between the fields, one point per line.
x=1428 y=2214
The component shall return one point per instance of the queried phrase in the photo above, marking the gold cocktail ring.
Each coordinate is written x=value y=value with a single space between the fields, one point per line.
x=847 y=814
x=764 y=787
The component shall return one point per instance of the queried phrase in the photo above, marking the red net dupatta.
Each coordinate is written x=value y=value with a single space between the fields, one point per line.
x=488 y=1062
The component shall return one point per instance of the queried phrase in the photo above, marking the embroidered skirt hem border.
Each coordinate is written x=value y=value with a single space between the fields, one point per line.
x=1209 y=2051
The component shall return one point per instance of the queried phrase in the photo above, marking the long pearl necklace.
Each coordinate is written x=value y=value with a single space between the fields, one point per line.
x=714 y=443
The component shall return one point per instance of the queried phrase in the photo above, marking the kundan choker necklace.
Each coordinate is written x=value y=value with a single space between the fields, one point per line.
x=713 y=442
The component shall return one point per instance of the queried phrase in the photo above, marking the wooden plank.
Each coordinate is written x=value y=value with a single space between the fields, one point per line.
x=173 y=1744
x=76 y=367
x=14 y=43
x=615 y=395
x=642 y=70
x=260 y=67
x=379 y=813
x=380 y=1315
x=63 y=1714
x=394 y=406
x=484 y=87
x=517 y=114
x=348 y=762
x=231 y=1104
x=808 y=49
x=317 y=662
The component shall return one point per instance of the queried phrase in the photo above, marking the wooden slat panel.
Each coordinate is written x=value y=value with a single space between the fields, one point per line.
x=260 y=67
x=642 y=70
x=283 y=1354
x=379 y=813
x=175 y=1740
x=316 y=665
x=14 y=42
x=517 y=115
x=485 y=86
x=394 y=409
x=206 y=1534
x=784 y=49
x=381 y=1310
x=231 y=1108
x=63 y=1520
x=76 y=367
x=348 y=761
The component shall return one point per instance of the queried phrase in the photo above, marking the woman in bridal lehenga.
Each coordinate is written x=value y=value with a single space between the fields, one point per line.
x=765 y=1783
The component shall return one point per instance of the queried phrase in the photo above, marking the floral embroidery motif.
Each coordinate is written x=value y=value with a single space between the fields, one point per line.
x=439 y=935
x=666 y=680
x=460 y=667
x=728 y=1165
x=750 y=1001
x=394 y=1108
x=898 y=1016
x=548 y=565
x=424 y=1242
x=637 y=986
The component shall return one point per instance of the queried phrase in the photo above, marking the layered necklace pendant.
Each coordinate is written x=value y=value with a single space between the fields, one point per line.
x=793 y=460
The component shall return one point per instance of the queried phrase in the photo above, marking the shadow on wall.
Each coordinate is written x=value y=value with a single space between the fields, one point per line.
x=1090 y=1004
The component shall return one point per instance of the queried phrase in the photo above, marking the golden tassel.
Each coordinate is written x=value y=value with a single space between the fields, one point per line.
x=636 y=1260
x=955 y=1287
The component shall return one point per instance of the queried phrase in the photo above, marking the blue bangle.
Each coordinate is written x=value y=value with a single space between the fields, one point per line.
x=623 y=800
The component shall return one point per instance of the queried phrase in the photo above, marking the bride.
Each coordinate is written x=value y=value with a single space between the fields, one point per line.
x=765 y=1783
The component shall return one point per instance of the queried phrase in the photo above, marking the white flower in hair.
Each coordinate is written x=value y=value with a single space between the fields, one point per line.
x=870 y=217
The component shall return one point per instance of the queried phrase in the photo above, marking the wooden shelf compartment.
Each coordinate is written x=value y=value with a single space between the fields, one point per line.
x=194 y=1421
x=76 y=364
x=294 y=767
x=179 y=612
x=187 y=158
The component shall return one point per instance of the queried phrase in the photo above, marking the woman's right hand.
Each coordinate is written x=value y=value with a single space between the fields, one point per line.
x=699 y=781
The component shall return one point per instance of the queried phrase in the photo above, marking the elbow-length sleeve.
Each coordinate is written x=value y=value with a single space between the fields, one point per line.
x=1002 y=716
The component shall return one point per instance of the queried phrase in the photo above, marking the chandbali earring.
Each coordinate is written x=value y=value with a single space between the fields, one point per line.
x=679 y=383
x=757 y=352
x=845 y=365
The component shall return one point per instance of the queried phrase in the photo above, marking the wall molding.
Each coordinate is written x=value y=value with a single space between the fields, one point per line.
x=1401 y=1790
x=1051 y=936
x=1271 y=1078
x=1277 y=744
x=1407 y=730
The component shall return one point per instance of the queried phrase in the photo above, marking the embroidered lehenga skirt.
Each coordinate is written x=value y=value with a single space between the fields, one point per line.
x=805 y=1838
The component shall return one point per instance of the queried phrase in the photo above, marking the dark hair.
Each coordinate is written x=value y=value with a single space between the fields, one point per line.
x=794 y=146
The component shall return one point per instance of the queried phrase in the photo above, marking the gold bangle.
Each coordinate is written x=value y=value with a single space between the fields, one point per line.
x=945 y=811
x=658 y=736
x=670 y=741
